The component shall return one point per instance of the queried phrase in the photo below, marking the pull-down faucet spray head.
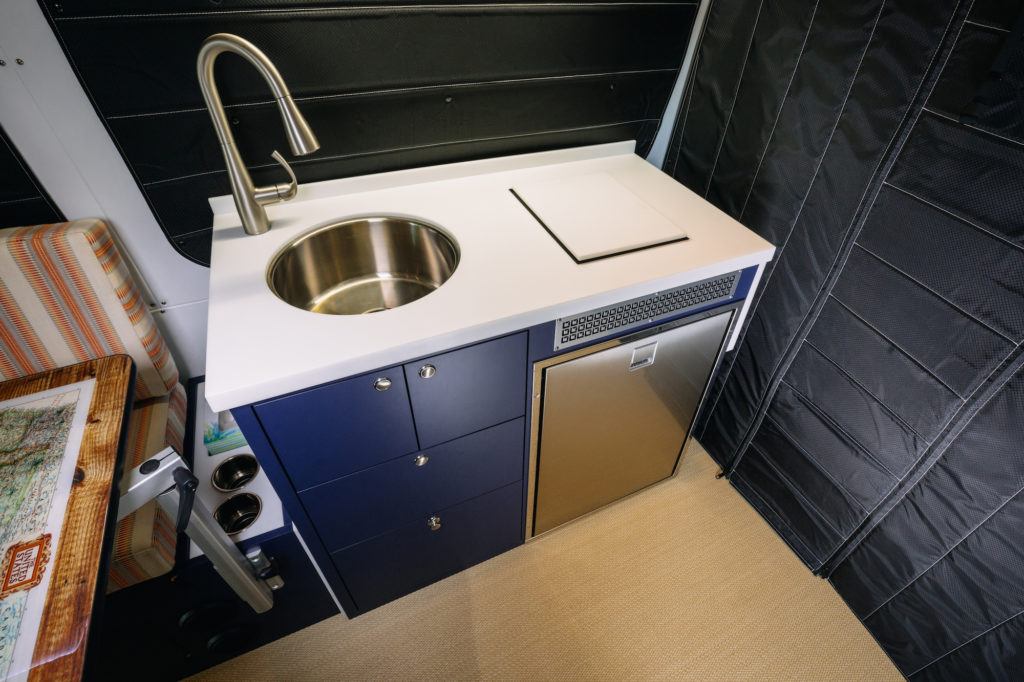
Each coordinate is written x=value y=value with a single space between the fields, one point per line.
x=300 y=135
x=250 y=200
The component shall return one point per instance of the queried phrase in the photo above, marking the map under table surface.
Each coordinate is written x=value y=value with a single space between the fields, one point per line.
x=40 y=437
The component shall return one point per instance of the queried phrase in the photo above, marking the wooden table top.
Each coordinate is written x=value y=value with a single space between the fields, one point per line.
x=85 y=537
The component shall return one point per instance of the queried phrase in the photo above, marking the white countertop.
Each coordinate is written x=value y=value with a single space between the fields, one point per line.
x=511 y=274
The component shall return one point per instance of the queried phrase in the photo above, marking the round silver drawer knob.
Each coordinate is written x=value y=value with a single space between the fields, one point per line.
x=420 y=460
x=427 y=371
x=382 y=384
x=434 y=523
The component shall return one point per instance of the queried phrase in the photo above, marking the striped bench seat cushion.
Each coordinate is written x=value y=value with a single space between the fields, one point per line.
x=67 y=296
x=144 y=543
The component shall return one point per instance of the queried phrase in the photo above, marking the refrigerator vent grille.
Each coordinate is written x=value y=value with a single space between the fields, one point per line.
x=620 y=317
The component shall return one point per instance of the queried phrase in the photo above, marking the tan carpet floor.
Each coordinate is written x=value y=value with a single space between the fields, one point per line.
x=682 y=581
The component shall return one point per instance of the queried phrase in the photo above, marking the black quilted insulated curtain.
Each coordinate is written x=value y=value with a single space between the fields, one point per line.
x=874 y=410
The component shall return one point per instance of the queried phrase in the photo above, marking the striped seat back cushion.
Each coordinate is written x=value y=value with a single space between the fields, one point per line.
x=66 y=296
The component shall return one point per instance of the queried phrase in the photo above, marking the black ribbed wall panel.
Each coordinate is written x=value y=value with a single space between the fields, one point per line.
x=416 y=120
x=22 y=199
x=874 y=409
x=384 y=85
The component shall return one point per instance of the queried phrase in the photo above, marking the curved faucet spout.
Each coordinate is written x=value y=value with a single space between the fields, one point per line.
x=250 y=200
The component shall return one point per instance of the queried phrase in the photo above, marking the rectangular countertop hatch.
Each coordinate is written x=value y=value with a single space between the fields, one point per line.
x=595 y=216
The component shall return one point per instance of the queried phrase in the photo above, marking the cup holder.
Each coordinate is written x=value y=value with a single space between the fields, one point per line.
x=238 y=512
x=234 y=473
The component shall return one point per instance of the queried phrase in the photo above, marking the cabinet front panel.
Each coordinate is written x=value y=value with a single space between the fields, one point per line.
x=334 y=430
x=397 y=492
x=397 y=563
x=466 y=390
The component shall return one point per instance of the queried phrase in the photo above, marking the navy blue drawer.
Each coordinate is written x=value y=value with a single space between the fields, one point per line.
x=402 y=561
x=468 y=389
x=389 y=495
x=334 y=430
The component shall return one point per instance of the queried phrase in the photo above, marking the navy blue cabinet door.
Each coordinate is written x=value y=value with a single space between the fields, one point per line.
x=334 y=430
x=397 y=563
x=469 y=389
x=389 y=495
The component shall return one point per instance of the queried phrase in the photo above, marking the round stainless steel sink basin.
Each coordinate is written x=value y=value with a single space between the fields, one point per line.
x=364 y=265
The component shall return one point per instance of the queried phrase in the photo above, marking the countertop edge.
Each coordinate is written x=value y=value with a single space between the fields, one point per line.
x=220 y=400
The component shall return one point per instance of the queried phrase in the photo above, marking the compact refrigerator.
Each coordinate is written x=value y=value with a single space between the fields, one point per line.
x=613 y=418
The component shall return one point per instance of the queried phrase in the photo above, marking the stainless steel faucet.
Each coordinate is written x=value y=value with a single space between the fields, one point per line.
x=249 y=199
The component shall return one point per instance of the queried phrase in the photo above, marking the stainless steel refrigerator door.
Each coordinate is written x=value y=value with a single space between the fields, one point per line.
x=615 y=421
